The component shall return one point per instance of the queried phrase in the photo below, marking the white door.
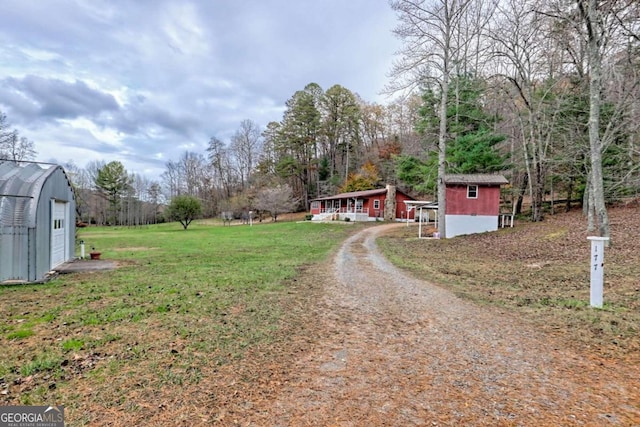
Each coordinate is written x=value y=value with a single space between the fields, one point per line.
x=58 y=233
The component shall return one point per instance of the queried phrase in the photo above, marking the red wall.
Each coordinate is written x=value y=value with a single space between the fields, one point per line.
x=487 y=203
x=316 y=211
x=368 y=204
x=402 y=207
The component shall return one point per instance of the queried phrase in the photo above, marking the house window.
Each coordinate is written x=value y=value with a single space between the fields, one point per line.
x=315 y=205
x=472 y=192
x=376 y=204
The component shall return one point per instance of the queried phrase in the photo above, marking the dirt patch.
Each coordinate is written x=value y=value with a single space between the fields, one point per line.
x=134 y=249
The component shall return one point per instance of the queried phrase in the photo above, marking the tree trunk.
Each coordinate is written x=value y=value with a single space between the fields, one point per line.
x=595 y=86
x=523 y=189
x=572 y=181
x=442 y=148
x=537 y=196
x=591 y=222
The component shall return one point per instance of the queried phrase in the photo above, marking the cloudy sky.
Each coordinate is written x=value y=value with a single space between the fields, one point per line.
x=141 y=81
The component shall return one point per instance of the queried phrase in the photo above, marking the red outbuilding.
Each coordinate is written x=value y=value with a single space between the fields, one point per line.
x=369 y=205
x=472 y=203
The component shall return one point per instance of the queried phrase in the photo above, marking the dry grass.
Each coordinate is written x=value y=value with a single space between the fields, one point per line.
x=541 y=272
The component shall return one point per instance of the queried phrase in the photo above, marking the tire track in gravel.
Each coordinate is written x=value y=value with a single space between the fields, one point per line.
x=398 y=351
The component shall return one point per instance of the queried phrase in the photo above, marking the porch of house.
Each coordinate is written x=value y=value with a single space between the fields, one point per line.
x=341 y=213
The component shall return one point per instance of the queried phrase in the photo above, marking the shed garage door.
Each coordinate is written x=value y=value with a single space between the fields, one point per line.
x=58 y=233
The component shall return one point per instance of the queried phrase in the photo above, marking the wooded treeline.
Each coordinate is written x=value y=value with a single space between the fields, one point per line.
x=559 y=80
x=519 y=99
x=323 y=138
x=545 y=92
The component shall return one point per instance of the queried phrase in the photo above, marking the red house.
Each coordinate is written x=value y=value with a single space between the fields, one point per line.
x=369 y=205
x=472 y=203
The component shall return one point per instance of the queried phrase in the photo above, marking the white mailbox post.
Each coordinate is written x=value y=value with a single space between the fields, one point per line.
x=597 y=270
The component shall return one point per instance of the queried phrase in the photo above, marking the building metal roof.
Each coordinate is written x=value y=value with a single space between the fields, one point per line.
x=20 y=186
x=481 y=179
x=421 y=204
x=355 y=194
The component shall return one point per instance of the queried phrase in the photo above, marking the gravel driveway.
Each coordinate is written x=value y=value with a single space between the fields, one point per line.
x=397 y=351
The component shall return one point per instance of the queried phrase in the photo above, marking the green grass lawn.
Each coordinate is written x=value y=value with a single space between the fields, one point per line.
x=180 y=304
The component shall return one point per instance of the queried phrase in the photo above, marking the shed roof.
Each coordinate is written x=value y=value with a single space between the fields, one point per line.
x=482 y=179
x=20 y=187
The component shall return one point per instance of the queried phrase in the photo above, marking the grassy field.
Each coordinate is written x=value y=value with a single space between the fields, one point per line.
x=194 y=324
x=181 y=307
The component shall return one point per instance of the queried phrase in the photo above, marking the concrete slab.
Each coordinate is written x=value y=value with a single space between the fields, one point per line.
x=85 y=265
x=75 y=266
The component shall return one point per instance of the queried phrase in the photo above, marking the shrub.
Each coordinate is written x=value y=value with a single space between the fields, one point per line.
x=185 y=209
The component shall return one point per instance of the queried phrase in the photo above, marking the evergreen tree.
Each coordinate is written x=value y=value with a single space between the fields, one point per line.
x=296 y=141
x=473 y=143
x=113 y=181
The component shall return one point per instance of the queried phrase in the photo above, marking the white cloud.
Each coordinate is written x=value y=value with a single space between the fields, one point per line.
x=184 y=30
x=140 y=81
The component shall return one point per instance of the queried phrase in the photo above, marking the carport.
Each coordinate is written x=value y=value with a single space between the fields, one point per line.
x=423 y=213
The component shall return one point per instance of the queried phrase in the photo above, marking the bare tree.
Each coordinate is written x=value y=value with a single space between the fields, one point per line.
x=20 y=148
x=276 y=200
x=154 y=196
x=220 y=163
x=96 y=201
x=607 y=32
x=246 y=147
x=171 y=179
x=597 y=30
x=12 y=146
x=82 y=185
x=524 y=60
x=5 y=134
x=434 y=43
x=139 y=211
x=400 y=118
x=191 y=167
